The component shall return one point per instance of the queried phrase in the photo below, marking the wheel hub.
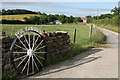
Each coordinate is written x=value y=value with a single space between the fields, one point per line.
x=30 y=52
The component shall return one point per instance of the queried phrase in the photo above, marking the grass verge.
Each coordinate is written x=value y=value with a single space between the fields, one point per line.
x=110 y=27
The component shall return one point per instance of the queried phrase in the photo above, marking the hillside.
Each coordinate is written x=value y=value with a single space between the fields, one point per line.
x=17 y=17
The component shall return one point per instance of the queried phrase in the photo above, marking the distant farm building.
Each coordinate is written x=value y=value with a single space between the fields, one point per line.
x=56 y=22
x=84 y=19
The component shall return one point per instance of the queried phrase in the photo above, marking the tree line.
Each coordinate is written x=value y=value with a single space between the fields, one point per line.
x=17 y=11
x=113 y=18
x=43 y=18
x=46 y=19
x=114 y=12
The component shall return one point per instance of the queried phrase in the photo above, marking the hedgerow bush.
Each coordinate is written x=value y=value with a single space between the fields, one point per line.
x=115 y=21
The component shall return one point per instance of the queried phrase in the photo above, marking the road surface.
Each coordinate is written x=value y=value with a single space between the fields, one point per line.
x=96 y=63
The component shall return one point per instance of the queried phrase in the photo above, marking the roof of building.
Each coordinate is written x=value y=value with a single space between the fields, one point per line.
x=84 y=18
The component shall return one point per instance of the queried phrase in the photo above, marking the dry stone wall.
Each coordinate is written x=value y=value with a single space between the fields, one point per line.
x=58 y=43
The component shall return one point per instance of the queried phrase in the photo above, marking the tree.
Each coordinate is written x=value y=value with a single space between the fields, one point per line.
x=3 y=11
x=39 y=13
x=0 y=12
x=78 y=19
x=17 y=11
x=95 y=17
x=89 y=17
x=71 y=19
x=43 y=19
x=116 y=11
x=51 y=18
x=67 y=20
x=9 y=12
x=56 y=15
x=103 y=16
x=44 y=14
x=26 y=20
x=32 y=20
x=62 y=18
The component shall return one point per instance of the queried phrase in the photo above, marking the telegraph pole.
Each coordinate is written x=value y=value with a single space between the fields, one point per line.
x=97 y=14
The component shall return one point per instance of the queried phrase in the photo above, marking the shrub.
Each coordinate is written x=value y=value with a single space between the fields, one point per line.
x=115 y=21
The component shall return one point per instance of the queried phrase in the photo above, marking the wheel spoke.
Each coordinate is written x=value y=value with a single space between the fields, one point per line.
x=32 y=65
x=28 y=65
x=40 y=57
x=37 y=40
x=20 y=46
x=22 y=43
x=22 y=61
x=25 y=65
x=29 y=41
x=19 y=52
x=41 y=52
x=26 y=39
x=40 y=48
x=38 y=60
x=35 y=64
x=38 y=45
x=19 y=58
x=33 y=41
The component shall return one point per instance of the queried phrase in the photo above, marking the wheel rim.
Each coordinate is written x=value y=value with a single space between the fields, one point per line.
x=28 y=52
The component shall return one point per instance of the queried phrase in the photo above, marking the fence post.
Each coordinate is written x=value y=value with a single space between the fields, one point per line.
x=90 y=32
x=95 y=28
x=44 y=31
x=12 y=31
x=74 y=35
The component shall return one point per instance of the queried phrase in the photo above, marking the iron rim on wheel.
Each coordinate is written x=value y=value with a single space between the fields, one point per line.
x=28 y=52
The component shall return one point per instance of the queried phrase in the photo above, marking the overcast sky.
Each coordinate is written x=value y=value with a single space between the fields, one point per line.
x=76 y=8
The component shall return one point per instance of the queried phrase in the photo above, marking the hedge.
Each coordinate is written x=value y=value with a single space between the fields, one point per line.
x=115 y=21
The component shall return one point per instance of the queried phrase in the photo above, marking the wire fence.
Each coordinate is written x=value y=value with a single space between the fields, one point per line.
x=79 y=33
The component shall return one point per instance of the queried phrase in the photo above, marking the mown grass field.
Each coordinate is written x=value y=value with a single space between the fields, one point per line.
x=17 y=17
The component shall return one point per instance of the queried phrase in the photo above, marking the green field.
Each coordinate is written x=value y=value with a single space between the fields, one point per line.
x=17 y=17
x=82 y=35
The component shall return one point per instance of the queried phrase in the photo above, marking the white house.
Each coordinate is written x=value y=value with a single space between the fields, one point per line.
x=56 y=22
